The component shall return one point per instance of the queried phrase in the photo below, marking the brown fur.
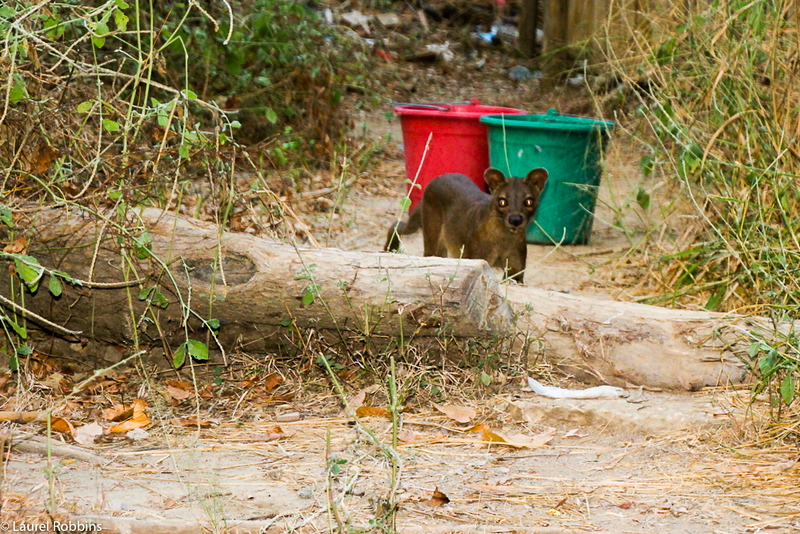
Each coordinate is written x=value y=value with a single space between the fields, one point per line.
x=461 y=221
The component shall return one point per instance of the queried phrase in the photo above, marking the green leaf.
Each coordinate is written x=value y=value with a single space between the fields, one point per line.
x=142 y=246
x=643 y=198
x=65 y=276
x=30 y=274
x=25 y=350
x=84 y=107
x=7 y=12
x=153 y=296
x=646 y=165
x=286 y=323
x=405 y=203
x=18 y=90
x=754 y=349
x=183 y=151
x=20 y=330
x=308 y=297
x=101 y=29
x=55 y=286
x=768 y=363
x=236 y=124
x=144 y=293
x=115 y=195
x=197 y=350
x=163 y=120
x=6 y=216
x=179 y=357
x=486 y=379
x=53 y=28
x=788 y=388
x=98 y=42
x=110 y=126
x=121 y=20
x=159 y=299
x=13 y=362
x=272 y=117
x=190 y=95
x=716 y=297
x=122 y=4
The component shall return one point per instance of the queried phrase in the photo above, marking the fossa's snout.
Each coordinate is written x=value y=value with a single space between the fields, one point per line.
x=516 y=220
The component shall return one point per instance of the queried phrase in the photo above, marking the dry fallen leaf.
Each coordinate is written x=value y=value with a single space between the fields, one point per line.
x=207 y=392
x=460 y=414
x=438 y=498
x=59 y=424
x=193 y=422
x=86 y=434
x=43 y=158
x=55 y=381
x=137 y=420
x=272 y=381
x=18 y=246
x=407 y=436
x=179 y=389
x=117 y=413
x=159 y=133
x=519 y=441
x=271 y=435
x=373 y=411
x=106 y=385
x=358 y=399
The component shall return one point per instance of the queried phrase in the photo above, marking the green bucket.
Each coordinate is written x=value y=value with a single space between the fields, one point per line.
x=571 y=149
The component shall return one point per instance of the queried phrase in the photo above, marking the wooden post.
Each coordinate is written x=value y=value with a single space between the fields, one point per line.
x=528 y=23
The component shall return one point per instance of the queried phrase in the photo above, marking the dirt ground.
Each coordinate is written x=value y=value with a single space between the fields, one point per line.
x=653 y=462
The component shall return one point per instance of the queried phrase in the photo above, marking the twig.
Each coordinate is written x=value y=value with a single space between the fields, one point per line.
x=39 y=445
x=29 y=314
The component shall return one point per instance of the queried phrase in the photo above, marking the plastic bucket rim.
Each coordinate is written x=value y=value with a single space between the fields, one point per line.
x=475 y=112
x=548 y=122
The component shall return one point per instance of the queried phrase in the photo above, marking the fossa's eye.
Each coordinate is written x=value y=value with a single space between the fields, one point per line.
x=528 y=202
x=502 y=203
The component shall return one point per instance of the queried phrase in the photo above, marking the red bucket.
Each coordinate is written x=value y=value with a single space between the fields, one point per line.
x=458 y=141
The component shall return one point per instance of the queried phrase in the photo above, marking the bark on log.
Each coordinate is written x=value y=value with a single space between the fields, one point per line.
x=625 y=343
x=261 y=285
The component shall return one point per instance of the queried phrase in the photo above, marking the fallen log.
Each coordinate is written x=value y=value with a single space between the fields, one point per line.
x=259 y=290
x=256 y=288
x=625 y=343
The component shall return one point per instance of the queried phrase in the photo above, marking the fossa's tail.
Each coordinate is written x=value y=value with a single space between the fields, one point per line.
x=413 y=224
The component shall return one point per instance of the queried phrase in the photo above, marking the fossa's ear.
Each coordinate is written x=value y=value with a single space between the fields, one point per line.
x=536 y=179
x=494 y=178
